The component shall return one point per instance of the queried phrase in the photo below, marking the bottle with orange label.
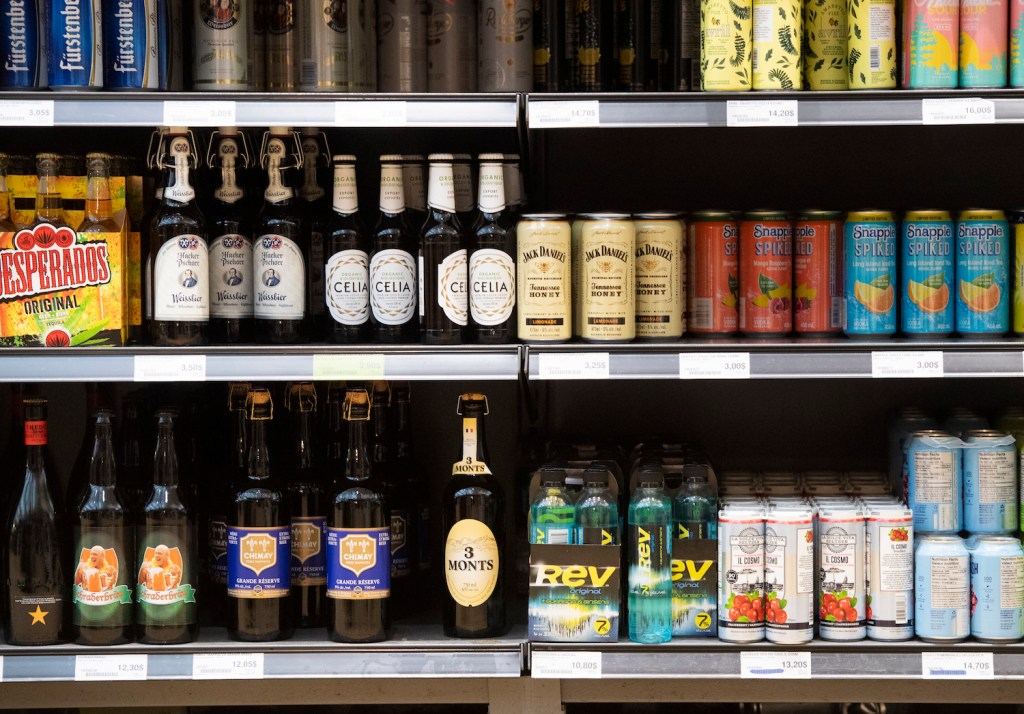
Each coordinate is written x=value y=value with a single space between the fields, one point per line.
x=713 y=264
x=766 y=274
x=818 y=273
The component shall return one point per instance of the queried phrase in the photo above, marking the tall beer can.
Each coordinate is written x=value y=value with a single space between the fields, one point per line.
x=74 y=46
x=726 y=39
x=402 y=45
x=548 y=44
x=825 y=44
x=684 y=49
x=778 y=32
x=171 y=26
x=505 y=46
x=258 y=52
x=22 y=45
x=362 y=46
x=131 y=36
x=283 y=42
x=220 y=45
x=983 y=42
x=632 y=34
x=323 y=60
x=871 y=44
x=451 y=46
x=589 y=24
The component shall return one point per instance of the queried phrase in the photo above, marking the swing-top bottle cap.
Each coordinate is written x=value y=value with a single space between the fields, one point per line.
x=301 y=397
x=357 y=405
x=473 y=400
x=258 y=405
x=237 y=394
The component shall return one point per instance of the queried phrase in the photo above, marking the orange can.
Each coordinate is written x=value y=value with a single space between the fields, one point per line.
x=713 y=265
x=766 y=273
x=818 y=273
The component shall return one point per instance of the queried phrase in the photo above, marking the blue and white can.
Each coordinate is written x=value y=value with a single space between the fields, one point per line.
x=942 y=611
x=21 y=45
x=990 y=482
x=131 y=41
x=74 y=45
x=997 y=588
x=932 y=470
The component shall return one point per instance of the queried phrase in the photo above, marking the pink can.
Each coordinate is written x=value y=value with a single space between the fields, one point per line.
x=983 y=41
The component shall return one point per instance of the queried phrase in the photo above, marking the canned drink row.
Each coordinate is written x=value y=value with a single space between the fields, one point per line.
x=807 y=484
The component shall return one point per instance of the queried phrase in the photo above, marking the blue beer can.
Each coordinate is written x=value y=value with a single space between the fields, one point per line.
x=74 y=45
x=942 y=596
x=990 y=482
x=24 y=65
x=997 y=588
x=933 y=474
x=983 y=273
x=870 y=242
x=131 y=42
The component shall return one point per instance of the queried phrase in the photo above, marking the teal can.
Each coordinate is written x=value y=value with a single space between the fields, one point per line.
x=870 y=262
x=926 y=307
x=982 y=273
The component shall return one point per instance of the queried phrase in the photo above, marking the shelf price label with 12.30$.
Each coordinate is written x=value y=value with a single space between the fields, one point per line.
x=108 y=668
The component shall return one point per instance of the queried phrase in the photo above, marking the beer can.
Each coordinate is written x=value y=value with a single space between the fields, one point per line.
x=22 y=45
x=766 y=273
x=362 y=47
x=131 y=38
x=402 y=45
x=713 y=267
x=926 y=267
x=982 y=273
x=933 y=473
x=323 y=54
x=282 y=63
x=960 y=420
x=983 y=40
x=505 y=46
x=825 y=44
x=902 y=425
x=871 y=44
x=1016 y=23
x=548 y=40
x=544 y=278
x=170 y=25
x=451 y=46
x=778 y=32
x=631 y=26
x=997 y=588
x=74 y=47
x=221 y=45
x=741 y=574
x=842 y=578
x=990 y=482
x=1016 y=221
x=726 y=36
x=258 y=52
x=890 y=551
x=660 y=276
x=818 y=273
x=942 y=602
x=607 y=291
x=789 y=575
x=869 y=246
x=931 y=40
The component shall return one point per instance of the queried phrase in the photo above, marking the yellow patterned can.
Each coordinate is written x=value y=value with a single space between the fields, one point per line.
x=660 y=276
x=778 y=29
x=871 y=44
x=726 y=36
x=824 y=50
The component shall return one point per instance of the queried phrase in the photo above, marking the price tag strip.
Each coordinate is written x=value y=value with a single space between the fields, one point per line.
x=26 y=112
x=237 y=665
x=106 y=668
x=358 y=366
x=565 y=665
x=957 y=665
x=574 y=365
x=199 y=113
x=957 y=110
x=775 y=665
x=714 y=365
x=906 y=364
x=371 y=114
x=564 y=115
x=170 y=368
x=773 y=112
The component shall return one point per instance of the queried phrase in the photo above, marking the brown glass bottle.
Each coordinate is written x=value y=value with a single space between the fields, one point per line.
x=99 y=217
x=315 y=212
x=410 y=474
x=335 y=435
x=442 y=260
x=259 y=557
x=357 y=596
x=465 y=205
x=133 y=452
x=346 y=273
x=78 y=483
x=415 y=190
x=49 y=207
x=393 y=282
x=474 y=531
x=492 y=262
x=6 y=224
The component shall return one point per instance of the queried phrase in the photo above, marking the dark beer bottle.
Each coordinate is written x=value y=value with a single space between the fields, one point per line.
x=514 y=198
x=179 y=283
x=335 y=430
x=411 y=475
x=358 y=540
x=133 y=452
x=443 y=272
x=492 y=263
x=167 y=550
x=259 y=532
x=462 y=172
x=78 y=483
x=393 y=286
x=36 y=553
x=315 y=211
x=280 y=260
x=307 y=504
x=474 y=528
x=415 y=190
x=346 y=275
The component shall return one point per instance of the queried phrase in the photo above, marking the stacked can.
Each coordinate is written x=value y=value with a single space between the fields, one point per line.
x=990 y=482
x=942 y=580
x=902 y=425
x=741 y=573
x=789 y=573
x=842 y=585
x=932 y=472
x=997 y=588
x=890 y=553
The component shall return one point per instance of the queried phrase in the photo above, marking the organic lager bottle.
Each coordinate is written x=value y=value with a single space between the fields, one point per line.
x=393 y=281
x=462 y=172
x=650 y=560
x=492 y=262
x=597 y=512
x=99 y=217
x=415 y=190
x=552 y=513
x=442 y=260
x=347 y=273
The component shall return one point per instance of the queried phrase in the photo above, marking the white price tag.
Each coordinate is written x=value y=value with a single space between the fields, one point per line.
x=199 y=113
x=26 y=112
x=715 y=365
x=957 y=665
x=566 y=665
x=170 y=368
x=775 y=665
x=359 y=113
x=906 y=364
x=236 y=665
x=105 y=668
x=564 y=115
x=772 y=112
x=958 y=110
x=360 y=366
x=574 y=365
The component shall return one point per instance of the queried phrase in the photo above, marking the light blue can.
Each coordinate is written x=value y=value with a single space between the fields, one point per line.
x=990 y=482
x=926 y=269
x=934 y=481
x=870 y=268
x=982 y=273
x=997 y=588
x=942 y=605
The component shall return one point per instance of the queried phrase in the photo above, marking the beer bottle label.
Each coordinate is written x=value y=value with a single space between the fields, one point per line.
x=165 y=593
x=181 y=289
x=259 y=562
x=401 y=564
x=218 y=550
x=280 y=275
x=231 y=277
x=348 y=291
x=492 y=286
x=309 y=556
x=471 y=562
x=452 y=276
x=393 y=287
x=99 y=590
x=358 y=563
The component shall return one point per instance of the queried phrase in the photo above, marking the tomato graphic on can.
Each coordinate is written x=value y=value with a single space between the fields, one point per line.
x=766 y=273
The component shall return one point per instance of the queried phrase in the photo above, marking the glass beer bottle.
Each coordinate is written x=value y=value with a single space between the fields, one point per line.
x=99 y=217
x=346 y=274
x=492 y=263
x=393 y=285
x=442 y=260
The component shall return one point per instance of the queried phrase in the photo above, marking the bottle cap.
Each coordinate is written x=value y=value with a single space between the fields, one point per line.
x=301 y=397
x=228 y=130
x=462 y=158
x=357 y=405
x=280 y=130
x=413 y=158
x=237 y=394
x=472 y=400
x=441 y=158
x=309 y=131
x=342 y=158
x=391 y=158
x=35 y=409
x=495 y=158
x=381 y=393
x=258 y=405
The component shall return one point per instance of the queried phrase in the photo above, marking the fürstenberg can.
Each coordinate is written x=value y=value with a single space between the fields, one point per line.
x=842 y=584
x=997 y=588
x=451 y=46
x=660 y=276
x=221 y=45
x=544 y=278
x=942 y=593
x=282 y=58
x=505 y=46
x=932 y=472
x=323 y=60
x=990 y=482
x=607 y=292
x=741 y=574
x=131 y=37
x=74 y=47
x=789 y=575
x=22 y=45
x=890 y=551
x=402 y=45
